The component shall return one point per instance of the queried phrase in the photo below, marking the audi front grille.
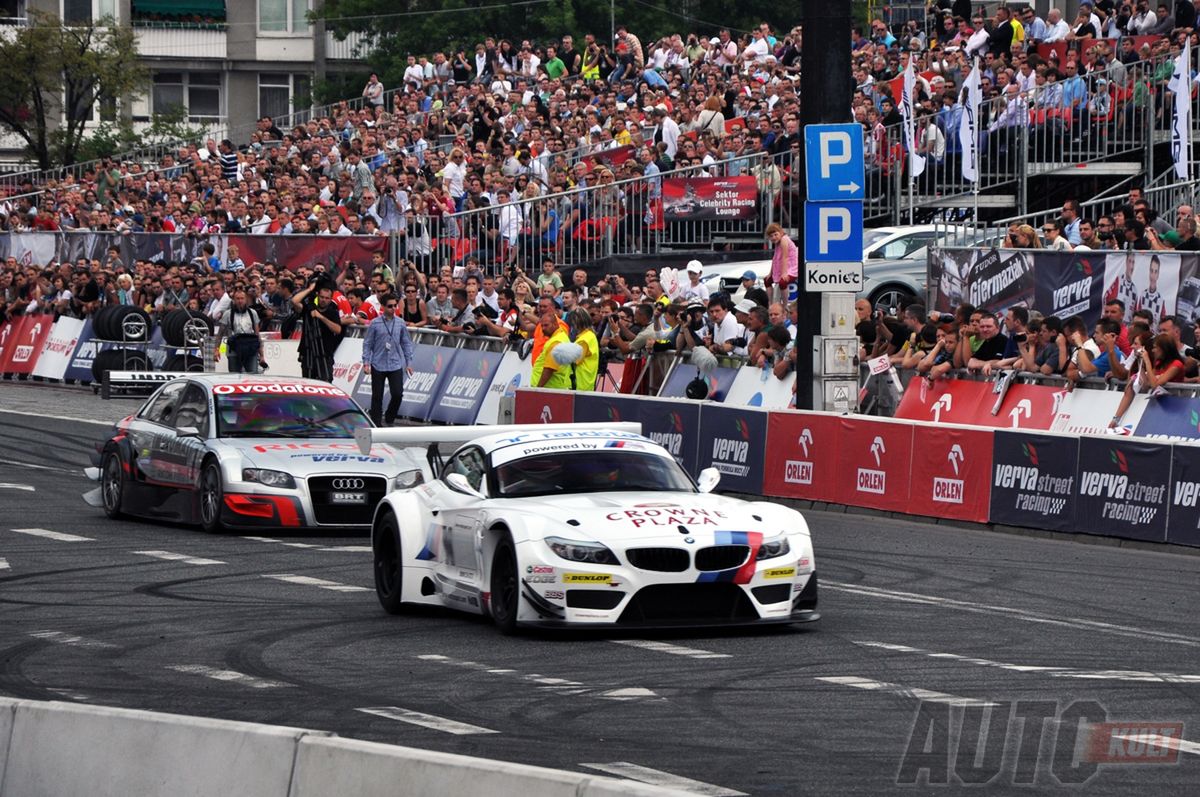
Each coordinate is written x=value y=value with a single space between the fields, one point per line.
x=322 y=490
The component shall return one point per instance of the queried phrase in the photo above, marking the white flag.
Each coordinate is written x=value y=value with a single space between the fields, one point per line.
x=1181 y=120
x=916 y=161
x=968 y=127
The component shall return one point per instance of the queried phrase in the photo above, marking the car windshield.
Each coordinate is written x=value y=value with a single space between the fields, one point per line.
x=259 y=415
x=589 y=472
x=872 y=237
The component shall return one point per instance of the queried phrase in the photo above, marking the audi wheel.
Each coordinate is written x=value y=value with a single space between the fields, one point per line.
x=112 y=484
x=212 y=496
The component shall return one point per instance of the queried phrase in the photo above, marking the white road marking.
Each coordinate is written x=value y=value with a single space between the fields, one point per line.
x=179 y=557
x=674 y=650
x=1053 y=672
x=299 y=544
x=3 y=563
x=426 y=720
x=32 y=466
x=1019 y=614
x=561 y=686
x=261 y=539
x=73 y=419
x=903 y=691
x=330 y=548
x=656 y=777
x=229 y=676
x=1182 y=745
x=11 y=486
x=71 y=694
x=309 y=581
x=54 y=535
x=348 y=549
x=63 y=638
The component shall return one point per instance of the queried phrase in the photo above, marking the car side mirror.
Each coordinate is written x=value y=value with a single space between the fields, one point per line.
x=707 y=481
x=875 y=254
x=459 y=483
x=188 y=431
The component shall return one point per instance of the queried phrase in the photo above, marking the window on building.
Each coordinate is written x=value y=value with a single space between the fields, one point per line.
x=281 y=95
x=197 y=93
x=77 y=12
x=283 y=16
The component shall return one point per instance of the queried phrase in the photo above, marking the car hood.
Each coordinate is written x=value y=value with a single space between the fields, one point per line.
x=621 y=517
x=301 y=457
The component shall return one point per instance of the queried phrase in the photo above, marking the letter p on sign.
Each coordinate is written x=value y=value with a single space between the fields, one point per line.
x=835 y=151
x=834 y=227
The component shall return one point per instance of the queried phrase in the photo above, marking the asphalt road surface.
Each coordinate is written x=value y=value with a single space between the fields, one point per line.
x=928 y=628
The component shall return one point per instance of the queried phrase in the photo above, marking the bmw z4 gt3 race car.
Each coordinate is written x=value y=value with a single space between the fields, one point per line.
x=228 y=450
x=577 y=525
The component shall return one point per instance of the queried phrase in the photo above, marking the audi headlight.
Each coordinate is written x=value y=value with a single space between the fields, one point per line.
x=269 y=478
x=586 y=552
x=409 y=478
x=776 y=546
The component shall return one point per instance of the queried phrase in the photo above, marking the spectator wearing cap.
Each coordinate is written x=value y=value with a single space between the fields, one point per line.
x=750 y=290
x=693 y=290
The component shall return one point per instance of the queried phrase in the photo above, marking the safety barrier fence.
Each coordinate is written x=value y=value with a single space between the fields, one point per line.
x=115 y=752
x=1137 y=489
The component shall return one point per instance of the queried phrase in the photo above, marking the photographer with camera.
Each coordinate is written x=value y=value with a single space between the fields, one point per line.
x=320 y=328
x=723 y=334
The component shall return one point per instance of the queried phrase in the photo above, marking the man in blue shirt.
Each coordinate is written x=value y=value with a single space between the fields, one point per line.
x=387 y=356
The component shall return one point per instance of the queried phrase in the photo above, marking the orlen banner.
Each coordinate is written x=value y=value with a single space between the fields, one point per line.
x=946 y=401
x=464 y=386
x=1122 y=488
x=1033 y=480
x=873 y=464
x=25 y=343
x=544 y=406
x=733 y=440
x=1183 y=521
x=709 y=198
x=801 y=451
x=950 y=469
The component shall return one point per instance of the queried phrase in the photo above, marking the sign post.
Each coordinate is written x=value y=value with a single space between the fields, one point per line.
x=833 y=225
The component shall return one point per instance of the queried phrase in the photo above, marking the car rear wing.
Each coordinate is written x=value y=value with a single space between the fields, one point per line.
x=431 y=435
x=136 y=383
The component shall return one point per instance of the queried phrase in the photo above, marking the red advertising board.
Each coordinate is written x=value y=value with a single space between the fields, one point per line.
x=6 y=330
x=10 y=338
x=709 y=198
x=544 y=406
x=873 y=463
x=946 y=401
x=1025 y=407
x=801 y=450
x=26 y=344
x=951 y=473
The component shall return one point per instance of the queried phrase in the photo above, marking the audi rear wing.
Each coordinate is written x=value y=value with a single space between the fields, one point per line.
x=431 y=435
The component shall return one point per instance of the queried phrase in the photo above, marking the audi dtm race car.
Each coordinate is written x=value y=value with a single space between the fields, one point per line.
x=570 y=524
x=229 y=450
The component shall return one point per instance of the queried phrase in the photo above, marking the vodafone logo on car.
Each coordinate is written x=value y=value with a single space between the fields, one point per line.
x=275 y=389
x=873 y=480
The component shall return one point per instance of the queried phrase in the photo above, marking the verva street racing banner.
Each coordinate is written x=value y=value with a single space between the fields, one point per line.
x=709 y=198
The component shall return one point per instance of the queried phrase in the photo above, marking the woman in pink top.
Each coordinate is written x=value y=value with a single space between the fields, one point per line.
x=785 y=262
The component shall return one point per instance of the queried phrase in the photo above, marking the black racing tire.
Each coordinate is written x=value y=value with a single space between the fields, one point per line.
x=119 y=360
x=125 y=315
x=183 y=362
x=389 y=564
x=112 y=485
x=174 y=326
x=505 y=587
x=100 y=323
x=212 y=496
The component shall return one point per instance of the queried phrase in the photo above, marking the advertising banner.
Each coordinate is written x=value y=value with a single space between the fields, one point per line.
x=464 y=386
x=1170 y=418
x=1068 y=284
x=709 y=198
x=719 y=382
x=1086 y=411
x=80 y=368
x=1122 y=488
x=6 y=332
x=873 y=464
x=950 y=473
x=511 y=373
x=10 y=338
x=991 y=279
x=1183 y=521
x=544 y=406
x=1025 y=407
x=347 y=368
x=604 y=408
x=801 y=452
x=947 y=401
x=674 y=425
x=758 y=387
x=56 y=354
x=25 y=344
x=1144 y=281
x=429 y=364
x=1033 y=480
x=733 y=440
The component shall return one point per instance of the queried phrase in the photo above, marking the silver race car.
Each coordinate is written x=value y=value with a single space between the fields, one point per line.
x=555 y=525
x=232 y=451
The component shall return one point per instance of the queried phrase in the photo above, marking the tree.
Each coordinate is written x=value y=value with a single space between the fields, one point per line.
x=53 y=76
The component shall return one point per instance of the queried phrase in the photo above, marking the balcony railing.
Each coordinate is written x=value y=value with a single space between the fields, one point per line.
x=165 y=40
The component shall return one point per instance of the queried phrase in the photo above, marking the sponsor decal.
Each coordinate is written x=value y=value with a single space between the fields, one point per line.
x=586 y=578
x=553 y=594
x=244 y=388
x=729 y=454
x=798 y=472
x=779 y=572
x=1124 y=488
x=539 y=569
x=669 y=516
x=873 y=480
x=950 y=491
x=536 y=579
x=1134 y=742
x=338 y=458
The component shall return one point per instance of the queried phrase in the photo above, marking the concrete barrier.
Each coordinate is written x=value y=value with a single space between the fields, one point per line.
x=69 y=750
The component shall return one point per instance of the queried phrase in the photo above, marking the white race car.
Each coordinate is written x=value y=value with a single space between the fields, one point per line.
x=571 y=524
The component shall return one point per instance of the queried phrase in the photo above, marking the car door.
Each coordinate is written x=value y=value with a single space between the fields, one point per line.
x=149 y=433
x=187 y=450
x=462 y=517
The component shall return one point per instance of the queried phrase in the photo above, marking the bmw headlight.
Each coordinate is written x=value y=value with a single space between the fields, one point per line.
x=409 y=478
x=585 y=552
x=776 y=546
x=269 y=478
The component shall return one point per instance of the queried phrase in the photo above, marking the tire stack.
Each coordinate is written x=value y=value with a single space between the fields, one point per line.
x=121 y=359
x=122 y=322
x=183 y=362
x=176 y=324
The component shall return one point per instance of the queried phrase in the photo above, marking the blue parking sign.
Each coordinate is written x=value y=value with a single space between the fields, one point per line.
x=833 y=232
x=833 y=158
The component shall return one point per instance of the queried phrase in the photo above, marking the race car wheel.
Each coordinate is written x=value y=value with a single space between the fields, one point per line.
x=505 y=587
x=212 y=495
x=389 y=573
x=112 y=484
